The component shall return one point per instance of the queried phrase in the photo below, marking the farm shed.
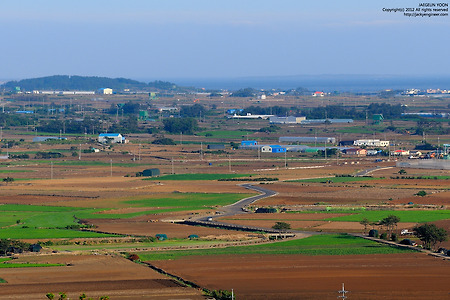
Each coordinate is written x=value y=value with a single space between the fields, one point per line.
x=161 y=236
x=278 y=149
x=151 y=172
x=249 y=143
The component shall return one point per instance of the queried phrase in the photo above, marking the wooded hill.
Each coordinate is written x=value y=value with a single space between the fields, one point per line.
x=85 y=83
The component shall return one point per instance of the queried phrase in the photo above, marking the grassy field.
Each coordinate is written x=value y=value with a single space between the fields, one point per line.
x=335 y=244
x=197 y=176
x=410 y=216
x=190 y=201
x=47 y=233
x=337 y=179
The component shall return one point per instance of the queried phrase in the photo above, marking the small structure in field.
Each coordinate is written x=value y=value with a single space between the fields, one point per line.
x=151 y=172
x=161 y=236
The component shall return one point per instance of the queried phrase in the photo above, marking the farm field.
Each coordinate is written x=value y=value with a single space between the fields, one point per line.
x=259 y=276
x=50 y=198
x=95 y=275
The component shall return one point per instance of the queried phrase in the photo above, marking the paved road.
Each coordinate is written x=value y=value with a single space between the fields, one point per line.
x=239 y=207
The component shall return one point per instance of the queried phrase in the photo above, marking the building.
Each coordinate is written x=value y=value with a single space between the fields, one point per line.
x=371 y=143
x=278 y=149
x=250 y=116
x=329 y=121
x=307 y=139
x=105 y=91
x=273 y=149
x=318 y=94
x=248 y=143
x=111 y=138
x=151 y=172
x=356 y=151
x=400 y=152
x=286 y=120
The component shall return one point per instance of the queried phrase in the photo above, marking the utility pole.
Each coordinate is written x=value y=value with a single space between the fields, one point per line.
x=111 y=167
x=173 y=171
x=229 y=163
x=285 y=159
x=79 y=153
x=139 y=152
x=51 y=170
x=201 y=150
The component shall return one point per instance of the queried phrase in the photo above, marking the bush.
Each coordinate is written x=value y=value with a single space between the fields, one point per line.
x=394 y=237
x=421 y=193
x=281 y=226
x=383 y=236
x=373 y=233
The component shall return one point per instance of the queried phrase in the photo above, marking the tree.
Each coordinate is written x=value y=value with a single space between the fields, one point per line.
x=365 y=222
x=180 y=125
x=390 y=222
x=430 y=235
x=402 y=171
x=281 y=226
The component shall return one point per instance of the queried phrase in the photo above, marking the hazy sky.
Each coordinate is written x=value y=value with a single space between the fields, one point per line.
x=164 y=39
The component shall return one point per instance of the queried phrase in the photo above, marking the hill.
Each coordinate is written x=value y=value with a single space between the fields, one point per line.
x=86 y=83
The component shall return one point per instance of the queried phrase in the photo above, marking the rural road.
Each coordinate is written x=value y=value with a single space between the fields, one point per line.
x=238 y=207
x=368 y=171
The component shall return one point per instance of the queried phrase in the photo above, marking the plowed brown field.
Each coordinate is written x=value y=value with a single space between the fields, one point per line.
x=398 y=276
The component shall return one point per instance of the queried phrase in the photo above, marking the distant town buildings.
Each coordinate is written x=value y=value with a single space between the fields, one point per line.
x=371 y=143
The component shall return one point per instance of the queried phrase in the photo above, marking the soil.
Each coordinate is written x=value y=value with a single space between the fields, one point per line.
x=95 y=275
x=397 y=276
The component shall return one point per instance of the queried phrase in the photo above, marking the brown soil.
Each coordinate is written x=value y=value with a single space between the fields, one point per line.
x=95 y=275
x=399 y=276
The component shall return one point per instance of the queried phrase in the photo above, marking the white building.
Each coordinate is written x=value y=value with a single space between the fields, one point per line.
x=111 y=138
x=371 y=143
x=105 y=91
x=286 y=120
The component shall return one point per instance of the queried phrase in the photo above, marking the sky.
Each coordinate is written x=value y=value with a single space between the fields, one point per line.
x=169 y=39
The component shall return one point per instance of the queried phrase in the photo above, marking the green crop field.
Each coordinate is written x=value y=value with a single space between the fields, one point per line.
x=197 y=177
x=46 y=233
x=15 y=171
x=190 y=201
x=334 y=244
x=337 y=179
x=2 y=280
x=410 y=216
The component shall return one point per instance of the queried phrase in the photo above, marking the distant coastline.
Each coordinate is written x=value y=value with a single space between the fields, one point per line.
x=327 y=83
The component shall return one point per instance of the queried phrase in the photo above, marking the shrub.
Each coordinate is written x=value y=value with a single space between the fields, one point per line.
x=421 y=193
x=394 y=237
x=383 y=236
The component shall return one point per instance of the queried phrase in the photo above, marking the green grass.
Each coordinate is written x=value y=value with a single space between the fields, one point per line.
x=3 y=259
x=190 y=201
x=410 y=216
x=335 y=244
x=337 y=179
x=28 y=265
x=15 y=171
x=44 y=233
x=197 y=177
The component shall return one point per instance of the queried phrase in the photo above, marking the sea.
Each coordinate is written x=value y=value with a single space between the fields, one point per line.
x=325 y=83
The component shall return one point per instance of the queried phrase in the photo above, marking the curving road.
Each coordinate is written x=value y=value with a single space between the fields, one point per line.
x=239 y=207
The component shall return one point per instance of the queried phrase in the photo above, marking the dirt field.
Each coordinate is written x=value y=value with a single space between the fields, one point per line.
x=95 y=275
x=399 y=276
